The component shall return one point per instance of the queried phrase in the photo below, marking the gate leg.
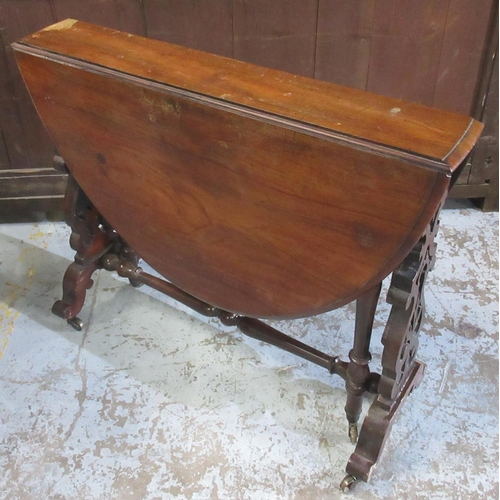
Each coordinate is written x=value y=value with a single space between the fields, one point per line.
x=358 y=371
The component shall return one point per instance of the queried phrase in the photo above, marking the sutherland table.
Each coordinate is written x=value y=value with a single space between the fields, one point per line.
x=255 y=193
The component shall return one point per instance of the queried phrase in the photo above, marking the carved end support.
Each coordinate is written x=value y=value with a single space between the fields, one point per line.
x=401 y=373
x=377 y=426
x=90 y=241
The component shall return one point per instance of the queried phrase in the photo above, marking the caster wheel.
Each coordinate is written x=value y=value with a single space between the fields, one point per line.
x=90 y=284
x=76 y=323
x=353 y=433
x=135 y=283
x=348 y=483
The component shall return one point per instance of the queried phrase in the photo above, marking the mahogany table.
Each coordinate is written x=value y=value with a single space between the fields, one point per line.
x=255 y=193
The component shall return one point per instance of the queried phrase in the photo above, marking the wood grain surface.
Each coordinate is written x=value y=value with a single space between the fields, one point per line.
x=258 y=202
x=398 y=124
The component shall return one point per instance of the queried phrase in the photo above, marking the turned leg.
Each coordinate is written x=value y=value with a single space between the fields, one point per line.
x=358 y=371
x=401 y=373
x=91 y=241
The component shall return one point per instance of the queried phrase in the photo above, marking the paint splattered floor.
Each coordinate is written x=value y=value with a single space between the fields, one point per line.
x=150 y=401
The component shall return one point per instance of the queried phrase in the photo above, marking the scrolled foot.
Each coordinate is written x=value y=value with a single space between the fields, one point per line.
x=76 y=323
x=353 y=433
x=348 y=483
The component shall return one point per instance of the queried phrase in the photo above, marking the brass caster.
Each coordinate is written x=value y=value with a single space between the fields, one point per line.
x=348 y=483
x=135 y=283
x=353 y=433
x=76 y=323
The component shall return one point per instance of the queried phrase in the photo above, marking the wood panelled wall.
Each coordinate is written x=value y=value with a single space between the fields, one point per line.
x=429 y=51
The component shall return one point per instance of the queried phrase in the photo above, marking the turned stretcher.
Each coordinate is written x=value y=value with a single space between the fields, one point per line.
x=255 y=193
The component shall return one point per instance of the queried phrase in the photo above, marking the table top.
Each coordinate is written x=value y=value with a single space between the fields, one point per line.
x=260 y=192
x=330 y=109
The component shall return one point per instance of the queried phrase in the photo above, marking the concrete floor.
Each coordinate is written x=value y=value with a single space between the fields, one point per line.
x=151 y=401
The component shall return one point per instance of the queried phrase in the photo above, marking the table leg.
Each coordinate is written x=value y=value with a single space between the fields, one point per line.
x=358 y=370
x=401 y=373
x=91 y=240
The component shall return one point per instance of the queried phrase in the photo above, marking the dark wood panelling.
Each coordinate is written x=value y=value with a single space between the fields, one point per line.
x=40 y=148
x=31 y=183
x=27 y=209
x=280 y=34
x=406 y=48
x=20 y=18
x=12 y=133
x=482 y=179
x=428 y=51
x=485 y=158
x=464 y=175
x=467 y=191
x=4 y=157
x=199 y=25
x=490 y=203
x=31 y=190
x=14 y=144
x=26 y=16
x=463 y=43
x=344 y=41
x=124 y=15
x=487 y=66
